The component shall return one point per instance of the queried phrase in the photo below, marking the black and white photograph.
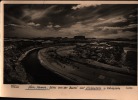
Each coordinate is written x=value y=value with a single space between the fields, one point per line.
x=70 y=44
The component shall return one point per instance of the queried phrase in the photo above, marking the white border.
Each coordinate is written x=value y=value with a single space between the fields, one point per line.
x=69 y=2
x=6 y=91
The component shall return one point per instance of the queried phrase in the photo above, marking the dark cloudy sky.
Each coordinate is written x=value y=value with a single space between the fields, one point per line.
x=68 y=20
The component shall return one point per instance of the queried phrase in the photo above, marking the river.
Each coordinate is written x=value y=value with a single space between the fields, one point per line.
x=39 y=74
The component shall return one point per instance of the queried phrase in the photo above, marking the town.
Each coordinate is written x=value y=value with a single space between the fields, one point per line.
x=115 y=55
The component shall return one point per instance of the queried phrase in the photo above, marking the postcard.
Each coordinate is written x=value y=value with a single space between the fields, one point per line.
x=69 y=49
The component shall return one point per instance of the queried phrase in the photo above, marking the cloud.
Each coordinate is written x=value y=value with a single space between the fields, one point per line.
x=119 y=19
x=14 y=20
x=37 y=24
x=31 y=32
x=100 y=19
x=80 y=6
x=119 y=34
x=132 y=16
x=116 y=19
x=34 y=14
x=90 y=20
x=77 y=29
x=50 y=26
x=33 y=24
x=15 y=25
x=57 y=26
x=109 y=28
x=103 y=31
x=132 y=26
x=37 y=13
x=118 y=28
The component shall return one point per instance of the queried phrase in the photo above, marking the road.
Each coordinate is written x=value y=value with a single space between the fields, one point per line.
x=81 y=73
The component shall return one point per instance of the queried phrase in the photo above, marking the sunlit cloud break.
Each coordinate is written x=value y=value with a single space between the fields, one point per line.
x=84 y=6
